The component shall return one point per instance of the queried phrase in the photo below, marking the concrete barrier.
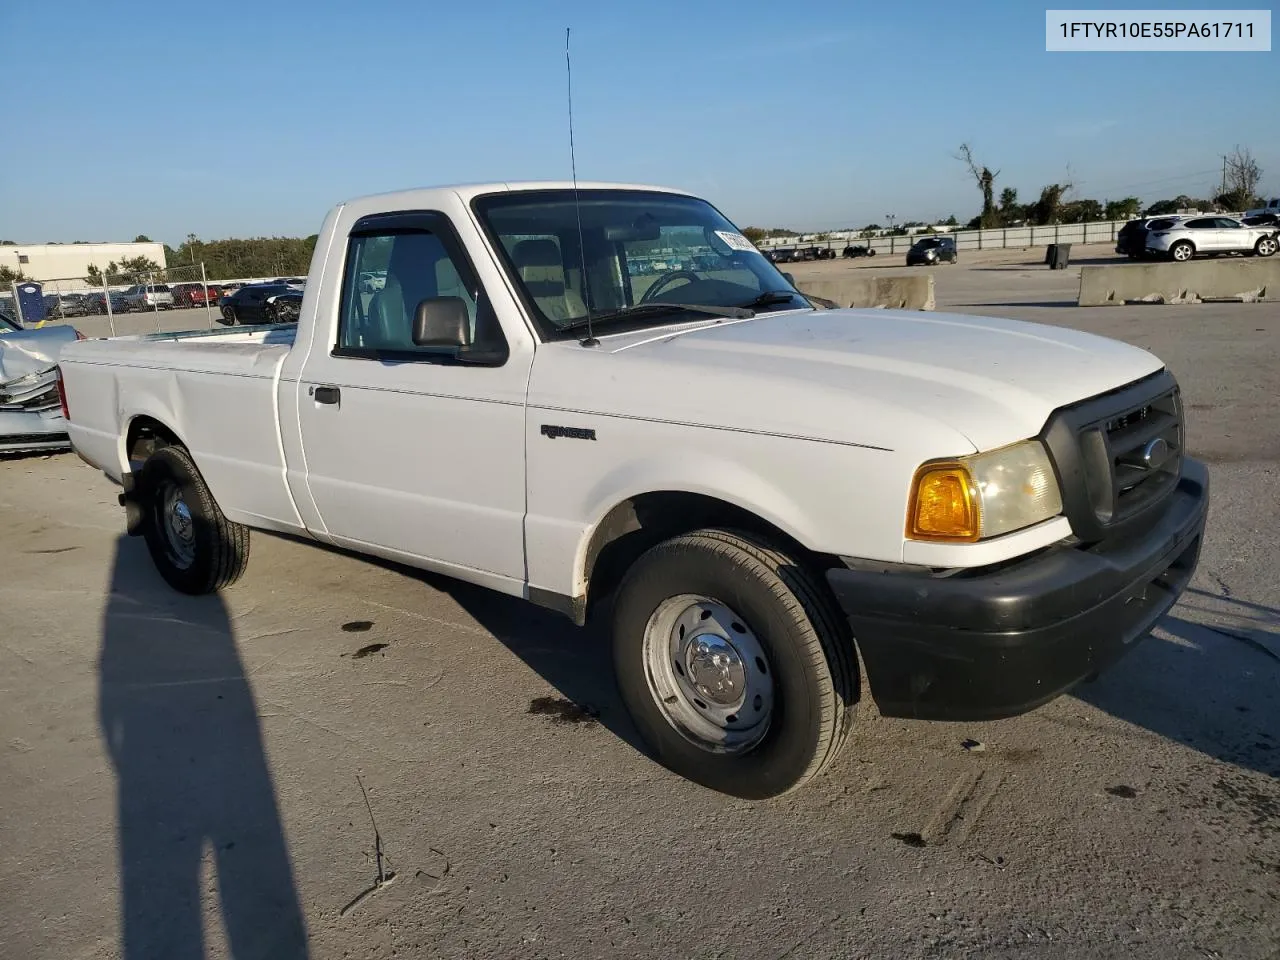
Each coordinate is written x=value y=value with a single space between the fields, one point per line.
x=1246 y=280
x=910 y=292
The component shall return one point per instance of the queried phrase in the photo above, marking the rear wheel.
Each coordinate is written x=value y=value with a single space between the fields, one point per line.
x=1266 y=246
x=734 y=663
x=194 y=547
x=1182 y=251
x=230 y=314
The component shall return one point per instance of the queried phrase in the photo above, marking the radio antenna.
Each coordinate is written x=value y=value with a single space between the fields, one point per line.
x=590 y=341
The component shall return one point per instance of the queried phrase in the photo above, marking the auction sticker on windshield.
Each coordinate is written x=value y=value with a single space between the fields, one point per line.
x=736 y=241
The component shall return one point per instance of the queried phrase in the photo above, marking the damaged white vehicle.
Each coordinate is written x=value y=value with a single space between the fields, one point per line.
x=31 y=416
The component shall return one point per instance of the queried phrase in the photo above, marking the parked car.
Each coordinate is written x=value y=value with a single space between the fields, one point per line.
x=194 y=294
x=1210 y=236
x=31 y=417
x=155 y=296
x=804 y=254
x=1267 y=221
x=987 y=513
x=60 y=306
x=261 y=303
x=96 y=303
x=930 y=250
x=1271 y=206
x=859 y=250
x=1131 y=240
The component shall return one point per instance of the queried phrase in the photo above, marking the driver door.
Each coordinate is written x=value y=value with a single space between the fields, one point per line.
x=410 y=454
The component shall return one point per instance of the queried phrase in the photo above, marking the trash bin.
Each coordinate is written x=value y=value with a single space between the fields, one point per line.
x=1058 y=256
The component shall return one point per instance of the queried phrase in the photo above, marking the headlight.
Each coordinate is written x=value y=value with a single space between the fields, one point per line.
x=983 y=496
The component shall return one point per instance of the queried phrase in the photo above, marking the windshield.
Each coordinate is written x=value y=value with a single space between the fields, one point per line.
x=639 y=248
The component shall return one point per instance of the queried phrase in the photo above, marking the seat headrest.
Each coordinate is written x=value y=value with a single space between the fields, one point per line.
x=536 y=253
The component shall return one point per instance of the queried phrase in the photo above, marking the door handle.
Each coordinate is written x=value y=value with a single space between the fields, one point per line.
x=326 y=394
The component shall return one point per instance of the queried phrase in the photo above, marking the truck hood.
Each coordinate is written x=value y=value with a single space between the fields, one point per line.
x=849 y=376
x=30 y=352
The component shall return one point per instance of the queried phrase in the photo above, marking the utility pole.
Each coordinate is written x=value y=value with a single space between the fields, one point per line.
x=1224 y=175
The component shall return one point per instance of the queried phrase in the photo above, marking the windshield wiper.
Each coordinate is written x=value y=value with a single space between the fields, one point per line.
x=658 y=306
x=770 y=297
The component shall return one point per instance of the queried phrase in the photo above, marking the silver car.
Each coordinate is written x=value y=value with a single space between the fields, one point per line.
x=1209 y=236
x=30 y=409
x=152 y=296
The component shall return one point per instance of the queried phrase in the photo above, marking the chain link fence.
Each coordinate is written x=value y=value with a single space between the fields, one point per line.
x=164 y=290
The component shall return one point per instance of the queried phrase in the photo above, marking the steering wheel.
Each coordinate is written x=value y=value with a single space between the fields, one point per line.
x=665 y=279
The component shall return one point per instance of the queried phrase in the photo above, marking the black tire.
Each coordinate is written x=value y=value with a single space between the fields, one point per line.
x=1182 y=245
x=1265 y=247
x=219 y=548
x=230 y=314
x=269 y=313
x=794 y=618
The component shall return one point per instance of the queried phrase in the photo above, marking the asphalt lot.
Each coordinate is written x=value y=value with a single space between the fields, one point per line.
x=230 y=742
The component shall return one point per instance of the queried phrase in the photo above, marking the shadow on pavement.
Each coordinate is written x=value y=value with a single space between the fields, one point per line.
x=1214 y=688
x=577 y=661
x=181 y=725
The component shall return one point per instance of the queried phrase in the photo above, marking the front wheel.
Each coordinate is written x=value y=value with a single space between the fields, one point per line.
x=194 y=547
x=734 y=662
x=1182 y=251
x=1266 y=246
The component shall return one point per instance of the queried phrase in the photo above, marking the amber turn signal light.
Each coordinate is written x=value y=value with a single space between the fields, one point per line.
x=943 y=505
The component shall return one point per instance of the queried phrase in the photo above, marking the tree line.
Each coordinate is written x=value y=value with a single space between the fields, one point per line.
x=1238 y=191
x=222 y=259
x=1057 y=204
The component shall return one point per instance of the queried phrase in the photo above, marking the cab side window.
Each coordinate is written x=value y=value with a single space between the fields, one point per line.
x=388 y=276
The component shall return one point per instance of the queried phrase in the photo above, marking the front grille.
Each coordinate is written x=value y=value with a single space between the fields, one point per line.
x=1145 y=447
x=1132 y=458
x=45 y=400
x=1118 y=454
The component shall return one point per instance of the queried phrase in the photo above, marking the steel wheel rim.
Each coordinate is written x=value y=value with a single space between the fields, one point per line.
x=1267 y=247
x=1182 y=253
x=178 y=526
x=708 y=674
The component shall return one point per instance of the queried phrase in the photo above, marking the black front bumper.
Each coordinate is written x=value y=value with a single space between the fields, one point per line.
x=991 y=643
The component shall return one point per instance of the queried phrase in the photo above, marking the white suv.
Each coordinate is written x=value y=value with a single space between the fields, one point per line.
x=1210 y=236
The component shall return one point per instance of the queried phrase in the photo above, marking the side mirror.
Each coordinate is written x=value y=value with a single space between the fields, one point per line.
x=789 y=278
x=441 y=322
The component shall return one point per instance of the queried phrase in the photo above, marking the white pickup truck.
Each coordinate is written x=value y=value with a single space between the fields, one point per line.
x=761 y=486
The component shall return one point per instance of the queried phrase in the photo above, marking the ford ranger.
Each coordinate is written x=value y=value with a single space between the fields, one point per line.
x=764 y=494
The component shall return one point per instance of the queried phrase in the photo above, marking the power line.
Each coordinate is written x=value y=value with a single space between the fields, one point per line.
x=1166 y=180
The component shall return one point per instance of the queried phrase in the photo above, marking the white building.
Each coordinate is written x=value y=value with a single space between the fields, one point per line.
x=62 y=266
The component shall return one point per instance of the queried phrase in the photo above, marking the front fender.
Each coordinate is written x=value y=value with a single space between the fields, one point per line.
x=807 y=489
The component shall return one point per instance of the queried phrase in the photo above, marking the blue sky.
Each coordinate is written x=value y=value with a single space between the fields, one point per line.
x=246 y=119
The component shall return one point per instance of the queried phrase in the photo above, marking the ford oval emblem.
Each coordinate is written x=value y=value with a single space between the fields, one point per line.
x=1155 y=453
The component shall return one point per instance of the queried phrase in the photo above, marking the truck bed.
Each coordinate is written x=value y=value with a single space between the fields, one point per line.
x=217 y=387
